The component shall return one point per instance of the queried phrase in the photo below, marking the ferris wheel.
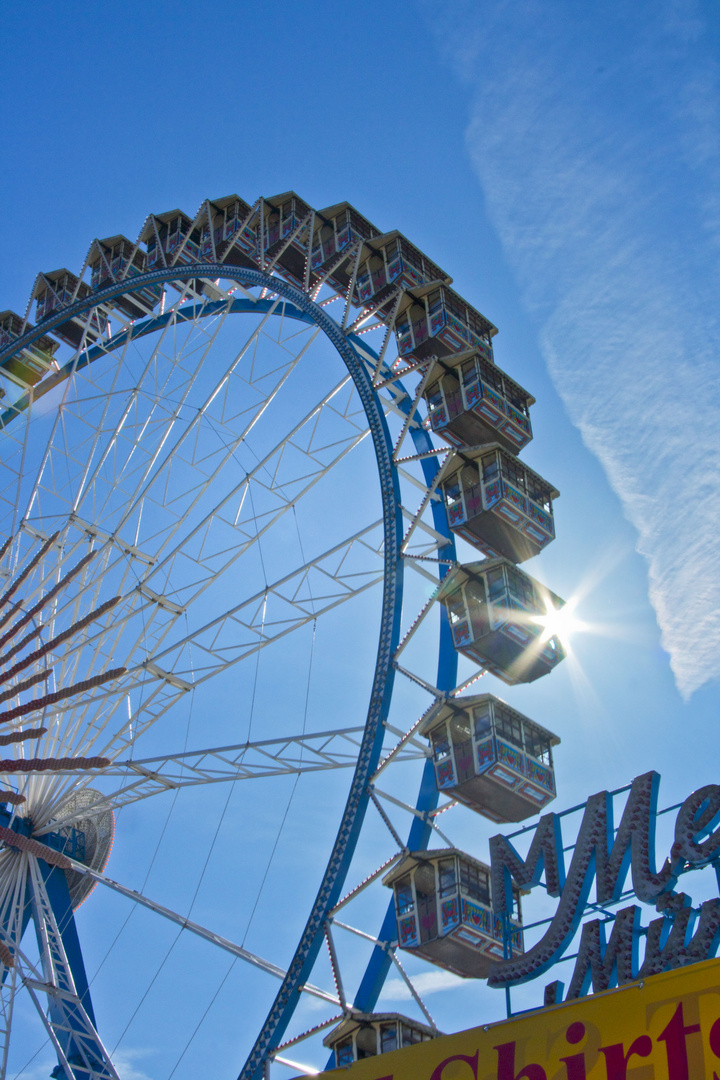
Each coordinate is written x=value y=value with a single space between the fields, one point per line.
x=230 y=620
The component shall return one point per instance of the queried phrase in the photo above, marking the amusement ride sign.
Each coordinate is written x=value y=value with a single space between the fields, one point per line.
x=681 y=935
x=667 y=1028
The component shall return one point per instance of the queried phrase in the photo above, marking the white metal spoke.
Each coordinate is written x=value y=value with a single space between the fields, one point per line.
x=110 y=439
x=302 y=597
x=296 y=599
x=305 y=753
x=409 y=983
x=154 y=608
x=144 y=618
x=199 y=931
x=425 y=816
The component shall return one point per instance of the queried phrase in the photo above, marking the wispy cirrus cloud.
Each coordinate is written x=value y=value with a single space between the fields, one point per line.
x=594 y=133
x=429 y=982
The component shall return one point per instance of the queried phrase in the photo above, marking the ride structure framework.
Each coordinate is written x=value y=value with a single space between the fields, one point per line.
x=179 y=499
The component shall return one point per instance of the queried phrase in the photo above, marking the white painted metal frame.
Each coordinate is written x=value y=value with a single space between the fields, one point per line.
x=169 y=671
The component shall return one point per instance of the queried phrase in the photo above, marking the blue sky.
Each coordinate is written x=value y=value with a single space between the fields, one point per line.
x=561 y=161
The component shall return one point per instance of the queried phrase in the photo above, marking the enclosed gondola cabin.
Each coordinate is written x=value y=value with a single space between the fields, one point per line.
x=443 y=908
x=27 y=366
x=498 y=618
x=364 y=1035
x=471 y=401
x=116 y=259
x=58 y=289
x=389 y=262
x=496 y=503
x=229 y=236
x=170 y=239
x=337 y=229
x=433 y=320
x=490 y=757
x=285 y=242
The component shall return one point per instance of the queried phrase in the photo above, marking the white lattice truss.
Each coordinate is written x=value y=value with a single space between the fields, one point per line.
x=145 y=479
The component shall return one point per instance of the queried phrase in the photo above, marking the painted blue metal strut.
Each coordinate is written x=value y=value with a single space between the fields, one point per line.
x=420 y=829
x=58 y=894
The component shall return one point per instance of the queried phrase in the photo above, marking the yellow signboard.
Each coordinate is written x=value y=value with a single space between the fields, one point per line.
x=665 y=1028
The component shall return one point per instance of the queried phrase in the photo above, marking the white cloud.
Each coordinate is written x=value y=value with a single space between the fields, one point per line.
x=595 y=140
x=430 y=982
x=125 y=1061
x=38 y=1070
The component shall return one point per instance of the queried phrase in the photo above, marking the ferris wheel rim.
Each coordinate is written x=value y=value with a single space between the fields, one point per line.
x=388 y=636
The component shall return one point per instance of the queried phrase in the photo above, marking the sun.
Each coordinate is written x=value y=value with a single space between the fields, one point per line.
x=561 y=622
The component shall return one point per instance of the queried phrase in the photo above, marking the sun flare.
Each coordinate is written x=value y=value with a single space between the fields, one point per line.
x=562 y=623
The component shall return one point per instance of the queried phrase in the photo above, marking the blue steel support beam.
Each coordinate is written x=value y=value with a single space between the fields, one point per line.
x=420 y=830
x=13 y=940
x=58 y=893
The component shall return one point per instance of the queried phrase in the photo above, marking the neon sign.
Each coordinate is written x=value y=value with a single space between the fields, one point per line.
x=682 y=935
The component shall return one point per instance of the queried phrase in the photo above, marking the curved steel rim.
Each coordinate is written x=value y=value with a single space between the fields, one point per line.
x=381 y=693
